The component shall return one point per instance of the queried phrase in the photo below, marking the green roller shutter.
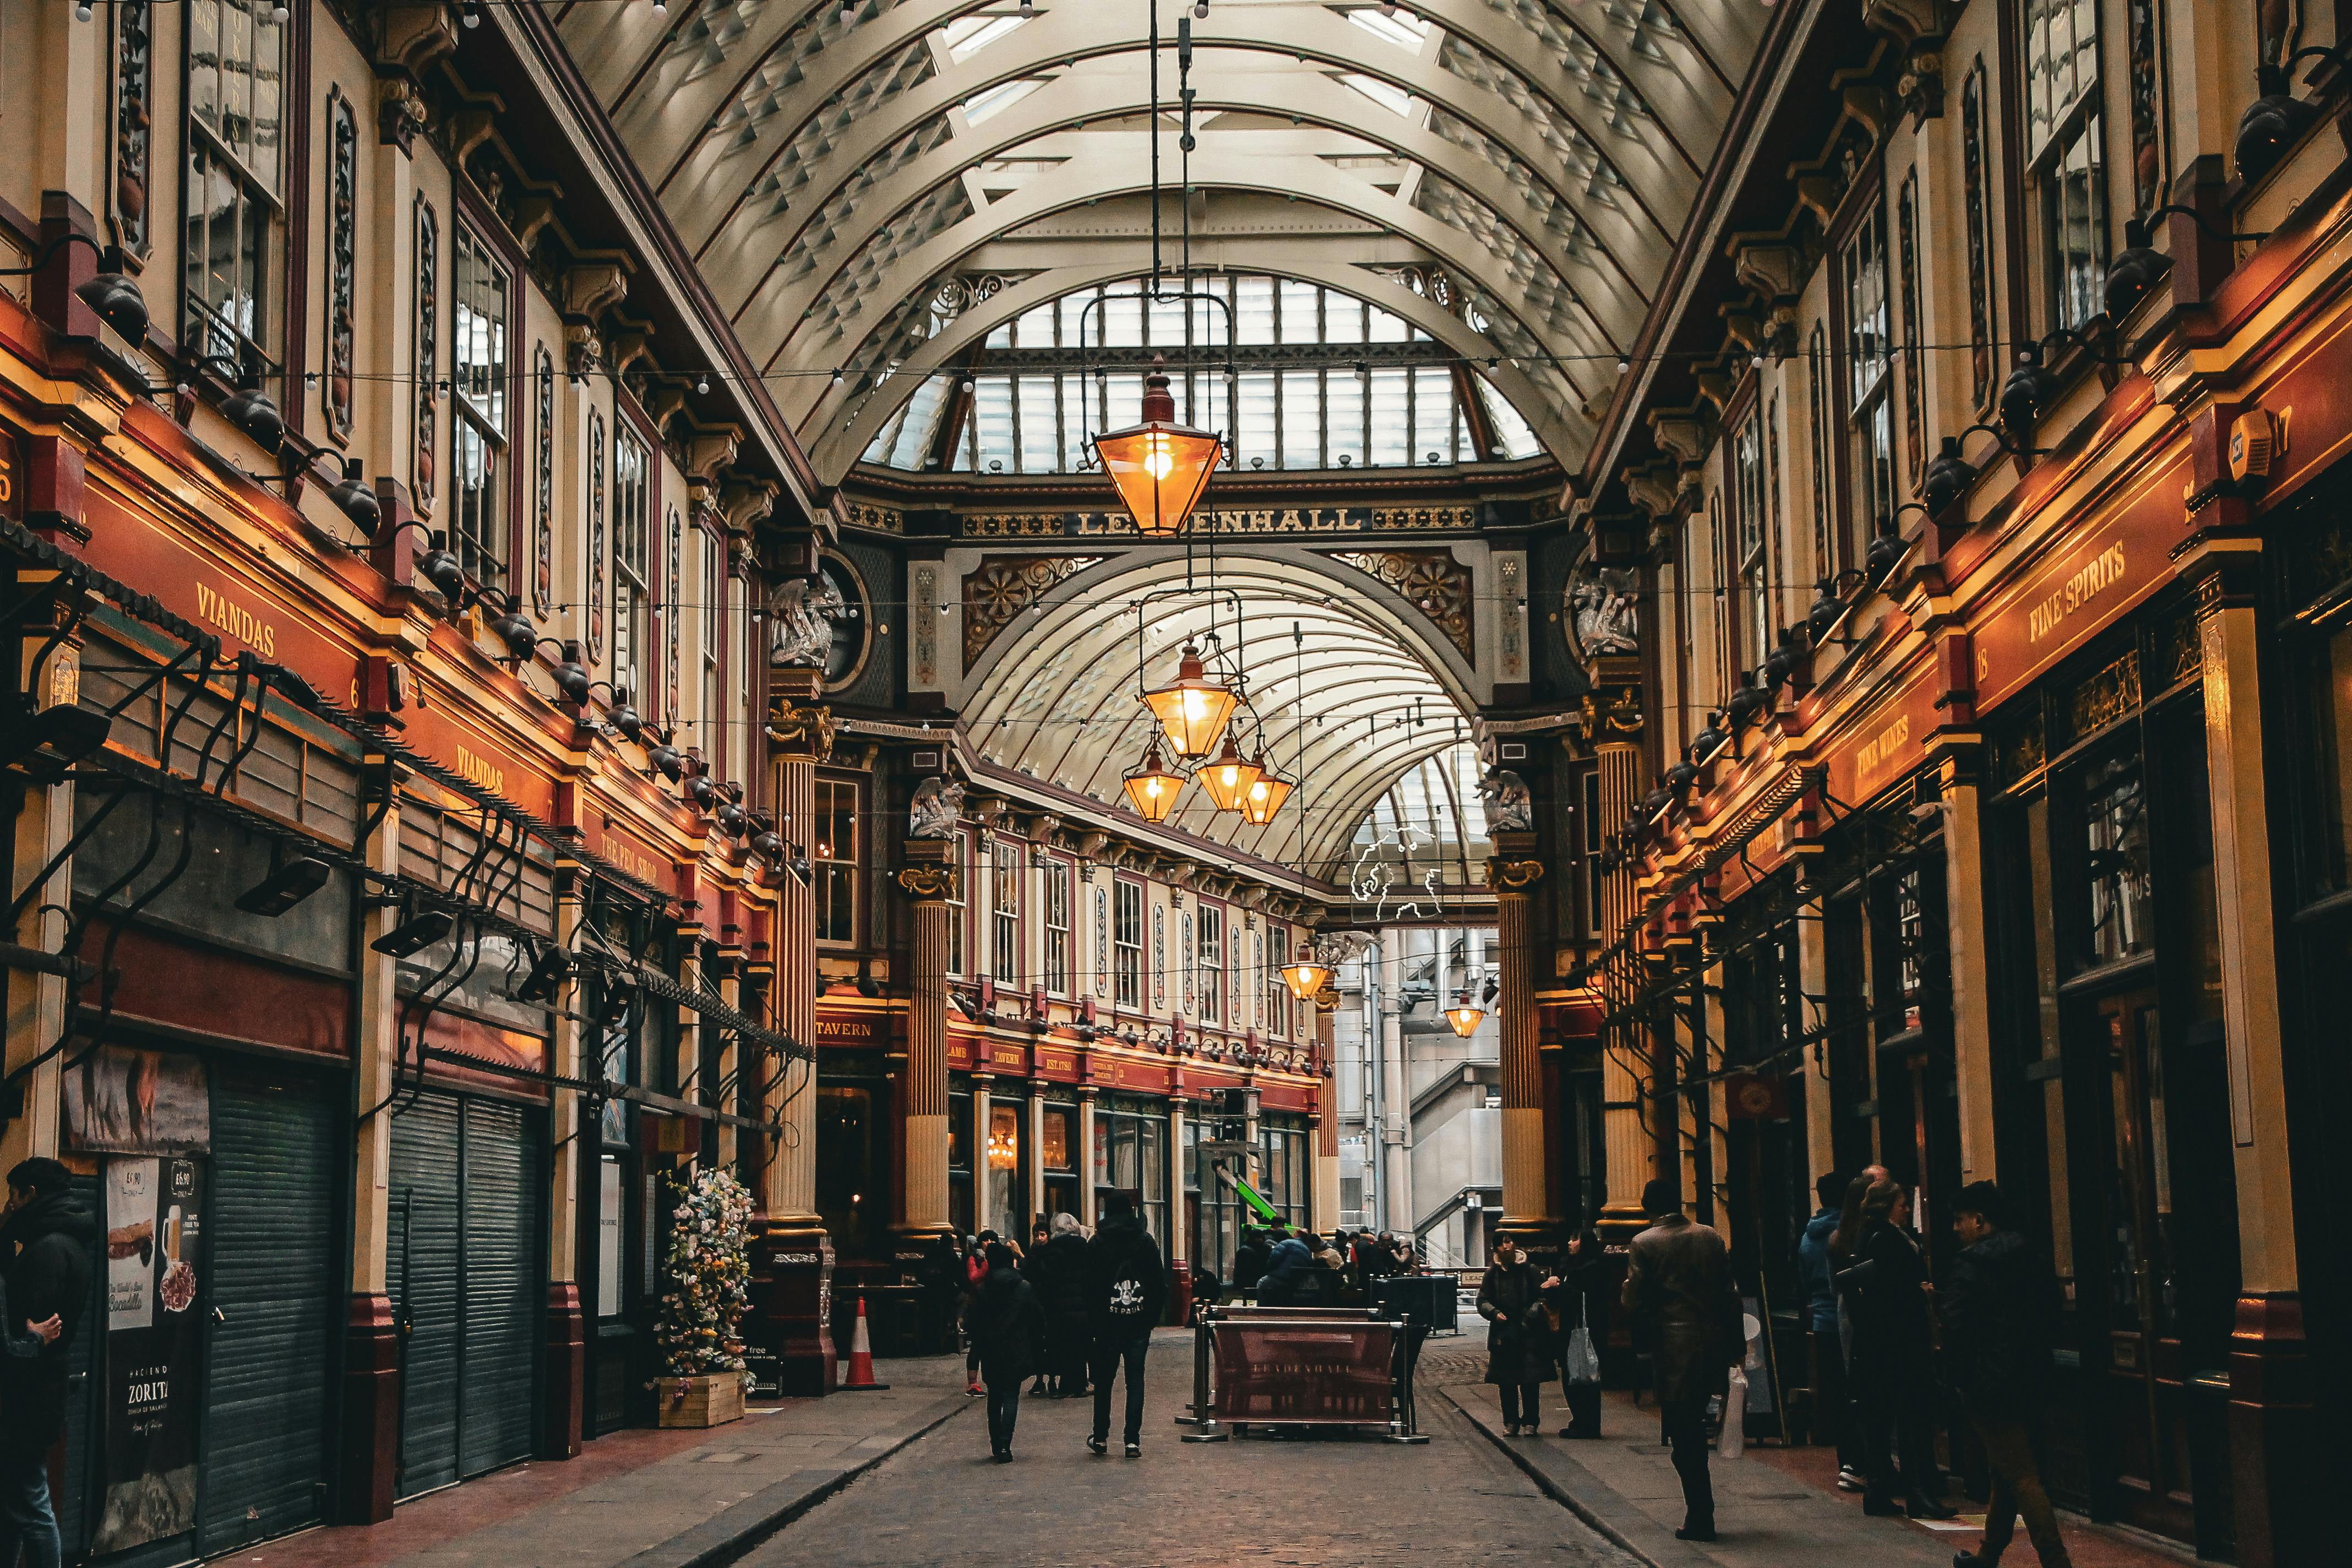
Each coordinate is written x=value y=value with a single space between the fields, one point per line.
x=277 y=1157
x=465 y=1283
x=502 y=1286
x=423 y=1275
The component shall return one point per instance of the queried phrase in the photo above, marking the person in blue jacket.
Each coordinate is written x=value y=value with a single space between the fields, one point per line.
x=1833 y=1410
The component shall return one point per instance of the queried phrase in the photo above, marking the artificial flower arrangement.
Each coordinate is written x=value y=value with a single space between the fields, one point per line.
x=706 y=1288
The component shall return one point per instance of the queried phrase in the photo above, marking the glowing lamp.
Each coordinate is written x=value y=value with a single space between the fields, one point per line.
x=1464 y=1015
x=1002 y=1154
x=1306 y=974
x=1160 y=467
x=1264 y=798
x=1152 y=786
x=1228 y=777
x=1194 y=709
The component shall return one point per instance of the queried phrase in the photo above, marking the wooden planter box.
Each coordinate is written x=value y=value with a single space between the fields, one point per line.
x=702 y=1401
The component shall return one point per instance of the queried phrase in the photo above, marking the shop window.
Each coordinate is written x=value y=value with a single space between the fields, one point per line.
x=1058 y=1155
x=1869 y=362
x=612 y=1239
x=1002 y=1156
x=1131 y=1155
x=1005 y=914
x=1127 y=943
x=477 y=520
x=960 y=1210
x=1053 y=880
x=1212 y=965
x=741 y=722
x=236 y=185
x=2330 y=717
x=631 y=561
x=2115 y=858
x=2062 y=135
x=835 y=860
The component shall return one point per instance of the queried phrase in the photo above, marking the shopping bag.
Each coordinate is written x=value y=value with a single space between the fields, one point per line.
x=1580 y=1364
x=1734 y=1440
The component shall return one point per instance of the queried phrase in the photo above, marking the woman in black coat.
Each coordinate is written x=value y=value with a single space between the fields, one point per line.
x=1892 y=1370
x=1582 y=1301
x=1008 y=1329
x=1519 y=1356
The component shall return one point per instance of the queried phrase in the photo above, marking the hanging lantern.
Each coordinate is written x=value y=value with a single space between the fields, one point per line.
x=1152 y=786
x=1265 y=797
x=1306 y=974
x=1002 y=1154
x=1192 y=710
x=1464 y=1015
x=1229 y=776
x=1160 y=467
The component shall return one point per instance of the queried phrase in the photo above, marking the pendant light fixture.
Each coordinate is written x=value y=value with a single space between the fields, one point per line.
x=1464 y=1015
x=1306 y=974
x=1192 y=708
x=1265 y=794
x=1229 y=775
x=1152 y=786
x=1160 y=467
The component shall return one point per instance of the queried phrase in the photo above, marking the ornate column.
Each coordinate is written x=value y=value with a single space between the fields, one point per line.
x=1395 y=1131
x=1326 y=1118
x=930 y=879
x=1512 y=872
x=1085 y=1154
x=1958 y=758
x=371 y=1400
x=795 y=1256
x=2274 y=1436
x=1812 y=979
x=564 y=1396
x=45 y=824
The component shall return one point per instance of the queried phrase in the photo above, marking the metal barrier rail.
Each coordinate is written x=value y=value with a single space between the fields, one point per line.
x=1373 y=1387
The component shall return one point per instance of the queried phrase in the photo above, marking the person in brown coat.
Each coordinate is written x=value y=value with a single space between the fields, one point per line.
x=1681 y=1301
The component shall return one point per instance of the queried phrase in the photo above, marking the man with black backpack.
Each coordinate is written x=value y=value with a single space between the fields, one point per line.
x=1127 y=1291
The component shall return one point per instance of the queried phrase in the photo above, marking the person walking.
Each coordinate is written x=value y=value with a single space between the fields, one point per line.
x=1582 y=1304
x=1680 y=1297
x=973 y=1261
x=1059 y=1270
x=45 y=1247
x=1816 y=1271
x=1519 y=1335
x=1008 y=1335
x=1127 y=1293
x=1893 y=1363
x=1998 y=1311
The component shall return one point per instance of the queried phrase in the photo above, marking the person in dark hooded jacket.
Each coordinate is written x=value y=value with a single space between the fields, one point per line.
x=45 y=1250
x=1127 y=1294
x=1008 y=1328
x=1286 y=1276
x=1249 y=1259
x=1519 y=1334
x=1059 y=1270
x=1999 y=1309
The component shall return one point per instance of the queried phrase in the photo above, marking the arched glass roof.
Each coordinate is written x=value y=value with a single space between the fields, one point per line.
x=1427 y=832
x=1319 y=379
x=1510 y=177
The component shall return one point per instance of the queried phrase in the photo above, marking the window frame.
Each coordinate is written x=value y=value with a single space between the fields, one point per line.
x=1007 y=864
x=203 y=331
x=484 y=414
x=1127 y=956
x=2067 y=141
x=632 y=585
x=711 y=620
x=1057 y=895
x=1868 y=395
x=958 y=902
x=1208 y=958
x=833 y=874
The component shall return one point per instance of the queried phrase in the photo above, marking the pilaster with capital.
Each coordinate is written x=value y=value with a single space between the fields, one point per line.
x=1513 y=871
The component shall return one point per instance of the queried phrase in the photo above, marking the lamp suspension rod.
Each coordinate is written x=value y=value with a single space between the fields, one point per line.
x=1151 y=9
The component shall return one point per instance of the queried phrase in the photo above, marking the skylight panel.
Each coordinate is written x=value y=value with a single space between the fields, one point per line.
x=1389 y=96
x=1403 y=29
x=980 y=106
x=1517 y=439
x=967 y=36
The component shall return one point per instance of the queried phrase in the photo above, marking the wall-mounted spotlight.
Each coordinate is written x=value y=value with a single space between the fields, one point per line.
x=416 y=933
x=666 y=760
x=440 y=566
x=109 y=293
x=66 y=732
x=354 y=499
x=285 y=887
x=552 y=968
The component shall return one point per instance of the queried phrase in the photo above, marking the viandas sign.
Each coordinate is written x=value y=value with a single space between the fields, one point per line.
x=154 y=1262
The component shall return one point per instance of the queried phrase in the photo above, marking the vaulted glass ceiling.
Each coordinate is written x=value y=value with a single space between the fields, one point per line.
x=874 y=190
x=1318 y=379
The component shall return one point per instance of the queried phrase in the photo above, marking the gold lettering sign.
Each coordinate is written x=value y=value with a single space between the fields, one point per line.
x=1880 y=748
x=2103 y=572
x=625 y=856
x=239 y=622
x=480 y=771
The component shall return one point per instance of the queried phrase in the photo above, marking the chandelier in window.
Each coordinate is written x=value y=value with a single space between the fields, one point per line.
x=1002 y=1154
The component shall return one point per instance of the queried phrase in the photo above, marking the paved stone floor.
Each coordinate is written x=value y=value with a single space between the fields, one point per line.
x=1339 y=1499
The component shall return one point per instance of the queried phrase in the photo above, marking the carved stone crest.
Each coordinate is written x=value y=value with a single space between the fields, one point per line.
x=800 y=615
x=937 y=803
x=1509 y=808
x=1600 y=612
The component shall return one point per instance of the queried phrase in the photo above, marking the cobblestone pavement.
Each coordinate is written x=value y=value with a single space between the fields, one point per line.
x=1336 y=1500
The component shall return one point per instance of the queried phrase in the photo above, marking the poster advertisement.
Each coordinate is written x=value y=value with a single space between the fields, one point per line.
x=154 y=1342
x=121 y=1101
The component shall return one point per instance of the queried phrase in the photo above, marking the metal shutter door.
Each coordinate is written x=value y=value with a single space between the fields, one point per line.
x=270 y=1241
x=423 y=1260
x=502 y=1291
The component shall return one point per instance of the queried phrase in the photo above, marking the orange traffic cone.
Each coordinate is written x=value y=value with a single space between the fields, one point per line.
x=861 y=1357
